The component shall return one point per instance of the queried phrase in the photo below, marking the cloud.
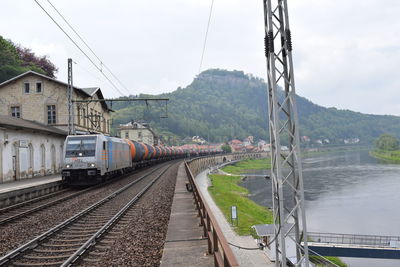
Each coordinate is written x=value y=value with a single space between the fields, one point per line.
x=346 y=53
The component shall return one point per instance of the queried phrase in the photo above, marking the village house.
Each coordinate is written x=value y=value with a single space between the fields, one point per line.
x=37 y=97
x=140 y=132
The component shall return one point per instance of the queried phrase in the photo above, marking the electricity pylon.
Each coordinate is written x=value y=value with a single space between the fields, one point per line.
x=286 y=169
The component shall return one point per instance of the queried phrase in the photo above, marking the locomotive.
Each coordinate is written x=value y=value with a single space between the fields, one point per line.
x=92 y=159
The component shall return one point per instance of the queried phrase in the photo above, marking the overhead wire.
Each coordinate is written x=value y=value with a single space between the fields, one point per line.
x=83 y=52
x=91 y=50
x=205 y=39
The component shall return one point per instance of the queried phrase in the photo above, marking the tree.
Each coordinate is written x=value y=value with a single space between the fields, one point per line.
x=226 y=148
x=31 y=61
x=15 y=59
x=387 y=142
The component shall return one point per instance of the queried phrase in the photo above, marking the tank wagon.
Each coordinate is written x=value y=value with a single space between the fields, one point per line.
x=92 y=159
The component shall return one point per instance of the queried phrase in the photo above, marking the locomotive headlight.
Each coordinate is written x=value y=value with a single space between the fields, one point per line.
x=67 y=166
x=92 y=165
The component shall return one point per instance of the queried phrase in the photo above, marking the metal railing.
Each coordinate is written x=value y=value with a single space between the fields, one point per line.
x=351 y=239
x=217 y=244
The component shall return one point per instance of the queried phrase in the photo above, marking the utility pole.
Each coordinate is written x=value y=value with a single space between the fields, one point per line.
x=286 y=169
x=71 y=126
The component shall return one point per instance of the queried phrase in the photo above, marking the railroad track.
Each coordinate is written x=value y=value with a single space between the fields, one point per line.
x=67 y=242
x=23 y=209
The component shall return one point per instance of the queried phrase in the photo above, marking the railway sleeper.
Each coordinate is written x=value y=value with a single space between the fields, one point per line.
x=91 y=260
x=61 y=245
x=75 y=241
x=55 y=257
x=90 y=225
x=54 y=250
x=102 y=247
x=82 y=229
x=38 y=263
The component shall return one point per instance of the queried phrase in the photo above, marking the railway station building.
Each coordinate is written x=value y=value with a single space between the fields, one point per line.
x=29 y=149
x=36 y=97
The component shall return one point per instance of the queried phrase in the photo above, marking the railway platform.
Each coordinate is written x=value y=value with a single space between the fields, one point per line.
x=185 y=244
x=22 y=190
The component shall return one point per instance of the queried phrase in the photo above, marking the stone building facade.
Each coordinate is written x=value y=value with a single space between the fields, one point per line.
x=29 y=149
x=36 y=97
x=140 y=132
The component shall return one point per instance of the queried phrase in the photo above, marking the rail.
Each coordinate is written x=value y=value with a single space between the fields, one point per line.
x=351 y=239
x=217 y=244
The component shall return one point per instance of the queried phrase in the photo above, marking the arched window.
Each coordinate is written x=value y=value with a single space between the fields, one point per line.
x=31 y=157
x=53 y=158
x=42 y=156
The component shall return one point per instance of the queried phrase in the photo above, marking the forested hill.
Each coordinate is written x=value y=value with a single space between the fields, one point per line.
x=222 y=105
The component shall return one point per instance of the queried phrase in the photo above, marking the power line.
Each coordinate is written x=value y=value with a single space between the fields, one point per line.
x=205 y=39
x=91 y=50
x=83 y=52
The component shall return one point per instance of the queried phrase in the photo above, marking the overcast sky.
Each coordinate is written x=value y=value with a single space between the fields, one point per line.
x=346 y=53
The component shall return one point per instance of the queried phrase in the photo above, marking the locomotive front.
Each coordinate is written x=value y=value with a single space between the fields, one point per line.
x=81 y=159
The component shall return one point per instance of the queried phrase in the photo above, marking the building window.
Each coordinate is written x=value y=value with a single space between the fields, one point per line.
x=126 y=134
x=26 y=88
x=84 y=117
x=79 y=116
x=16 y=112
x=91 y=119
x=51 y=114
x=39 y=87
x=140 y=134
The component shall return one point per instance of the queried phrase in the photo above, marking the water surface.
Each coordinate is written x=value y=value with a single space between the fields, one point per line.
x=345 y=192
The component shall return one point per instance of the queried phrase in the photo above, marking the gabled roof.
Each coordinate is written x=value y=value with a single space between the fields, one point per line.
x=17 y=123
x=91 y=90
x=88 y=92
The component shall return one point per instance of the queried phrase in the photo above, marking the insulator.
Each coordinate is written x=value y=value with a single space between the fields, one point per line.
x=283 y=42
x=266 y=49
x=271 y=41
x=289 y=40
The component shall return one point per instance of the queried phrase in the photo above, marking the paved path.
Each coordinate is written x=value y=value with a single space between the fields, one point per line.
x=245 y=258
x=185 y=245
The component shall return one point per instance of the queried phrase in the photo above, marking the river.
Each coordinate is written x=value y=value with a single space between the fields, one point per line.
x=345 y=192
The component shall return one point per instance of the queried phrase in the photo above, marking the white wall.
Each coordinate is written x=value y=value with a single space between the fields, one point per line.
x=10 y=142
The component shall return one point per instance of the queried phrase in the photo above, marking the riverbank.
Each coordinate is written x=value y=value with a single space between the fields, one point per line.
x=326 y=150
x=389 y=156
x=226 y=192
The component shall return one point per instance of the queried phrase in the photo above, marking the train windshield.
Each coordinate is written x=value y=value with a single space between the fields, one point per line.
x=84 y=146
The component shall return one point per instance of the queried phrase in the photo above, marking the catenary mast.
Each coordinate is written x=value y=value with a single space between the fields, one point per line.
x=286 y=169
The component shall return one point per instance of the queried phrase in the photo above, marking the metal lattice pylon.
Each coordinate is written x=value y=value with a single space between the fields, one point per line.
x=286 y=169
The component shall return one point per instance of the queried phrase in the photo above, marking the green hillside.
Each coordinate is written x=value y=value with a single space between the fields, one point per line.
x=222 y=105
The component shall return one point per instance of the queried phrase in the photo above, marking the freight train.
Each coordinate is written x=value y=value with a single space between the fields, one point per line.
x=92 y=159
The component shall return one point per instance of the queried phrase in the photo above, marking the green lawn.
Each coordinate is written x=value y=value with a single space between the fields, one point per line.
x=248 y=164
x=226 y=193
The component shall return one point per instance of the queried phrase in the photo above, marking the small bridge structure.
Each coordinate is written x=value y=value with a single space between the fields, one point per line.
x=359 y=246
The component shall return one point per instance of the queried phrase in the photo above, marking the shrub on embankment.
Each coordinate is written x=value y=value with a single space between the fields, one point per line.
x=386 y=148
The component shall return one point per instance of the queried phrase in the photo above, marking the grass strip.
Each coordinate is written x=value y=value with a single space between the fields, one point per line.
x=247 y=165
x=226 y=193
